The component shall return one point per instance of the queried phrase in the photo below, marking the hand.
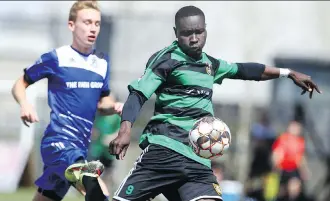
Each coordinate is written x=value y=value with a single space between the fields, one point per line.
x=118 y=107
x=120 y=144
x=108 y=138
x=28 y=114
x=305 y=82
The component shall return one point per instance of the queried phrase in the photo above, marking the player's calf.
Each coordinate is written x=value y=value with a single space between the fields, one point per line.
x=94 y=190
x=85 y=177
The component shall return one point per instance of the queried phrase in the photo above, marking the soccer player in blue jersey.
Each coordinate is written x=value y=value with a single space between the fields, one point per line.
x=78 y=86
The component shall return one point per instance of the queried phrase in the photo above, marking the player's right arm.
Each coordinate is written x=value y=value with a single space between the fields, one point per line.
x=28 y=113
x=42 y=68
x=140 y=91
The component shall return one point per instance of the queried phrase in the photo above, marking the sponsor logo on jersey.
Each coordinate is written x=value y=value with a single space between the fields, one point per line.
x=93 y=85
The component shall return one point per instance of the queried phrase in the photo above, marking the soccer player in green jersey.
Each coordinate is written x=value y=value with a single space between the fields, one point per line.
x=182 y=77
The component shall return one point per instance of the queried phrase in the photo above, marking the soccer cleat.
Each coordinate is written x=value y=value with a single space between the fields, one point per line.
x=75 y=171
x=72 y=173
x=94 y=167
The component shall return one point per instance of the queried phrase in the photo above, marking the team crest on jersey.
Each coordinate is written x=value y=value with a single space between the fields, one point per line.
x=209 y=69
x=94 y=62
x=217 y=188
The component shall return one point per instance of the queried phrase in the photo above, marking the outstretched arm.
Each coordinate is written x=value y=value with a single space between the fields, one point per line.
x=261 y=72
x=301 y=80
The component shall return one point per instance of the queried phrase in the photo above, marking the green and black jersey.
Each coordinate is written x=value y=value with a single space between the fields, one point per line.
x=184 y=94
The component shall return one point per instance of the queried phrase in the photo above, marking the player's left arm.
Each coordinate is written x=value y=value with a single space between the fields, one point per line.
x=261 y=72
x=107 y=104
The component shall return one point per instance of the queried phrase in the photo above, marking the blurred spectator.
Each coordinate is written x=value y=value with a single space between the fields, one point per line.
x=294 y=191
x=262 y=138
x=105 y=129
x=289 y=160
x=218 y=171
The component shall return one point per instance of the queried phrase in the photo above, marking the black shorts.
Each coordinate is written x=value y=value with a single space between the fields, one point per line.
x=287 y=175
x=159 y=170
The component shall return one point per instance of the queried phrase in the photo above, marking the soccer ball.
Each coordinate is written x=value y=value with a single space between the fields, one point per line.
x=210 y=137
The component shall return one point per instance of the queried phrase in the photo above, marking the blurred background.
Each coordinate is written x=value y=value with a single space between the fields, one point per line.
x=285 y=34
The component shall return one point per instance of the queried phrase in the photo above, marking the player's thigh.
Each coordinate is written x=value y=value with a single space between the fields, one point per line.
x=152 y=173
x=51 y=182
x=137 y=185
x=64 y=152
x=57 y=159
x=194 y=191
x=287 y=175
x=171 y=193
x=201 y=183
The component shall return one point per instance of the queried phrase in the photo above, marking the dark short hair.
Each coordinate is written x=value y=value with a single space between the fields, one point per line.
x=188 y=11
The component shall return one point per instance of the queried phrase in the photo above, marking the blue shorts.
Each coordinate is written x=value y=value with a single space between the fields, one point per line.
x=57 y=156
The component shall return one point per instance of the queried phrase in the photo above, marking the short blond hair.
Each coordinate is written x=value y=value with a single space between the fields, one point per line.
x=80 y=5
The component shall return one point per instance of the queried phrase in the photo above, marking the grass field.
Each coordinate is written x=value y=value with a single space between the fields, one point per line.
x=26 y=194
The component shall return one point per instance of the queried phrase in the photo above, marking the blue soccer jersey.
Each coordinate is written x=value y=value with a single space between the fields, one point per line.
x=76 y=82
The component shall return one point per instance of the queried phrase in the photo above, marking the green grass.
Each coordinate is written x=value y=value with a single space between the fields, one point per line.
x=26 y=194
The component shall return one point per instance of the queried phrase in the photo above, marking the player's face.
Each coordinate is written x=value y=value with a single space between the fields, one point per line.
x=191 y=34
x=86 y=28
x=294 y=128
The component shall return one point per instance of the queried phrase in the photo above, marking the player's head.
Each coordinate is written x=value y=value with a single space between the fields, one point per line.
x=84 y=22
x=190 y=30
x=295 y=128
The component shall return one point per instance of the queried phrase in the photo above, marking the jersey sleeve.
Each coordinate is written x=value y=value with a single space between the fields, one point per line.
x=153 y=77
x=42 y=68
x=225 y=70
x=106 y=84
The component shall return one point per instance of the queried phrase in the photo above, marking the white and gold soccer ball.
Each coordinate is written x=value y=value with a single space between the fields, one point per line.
x=210 y=137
